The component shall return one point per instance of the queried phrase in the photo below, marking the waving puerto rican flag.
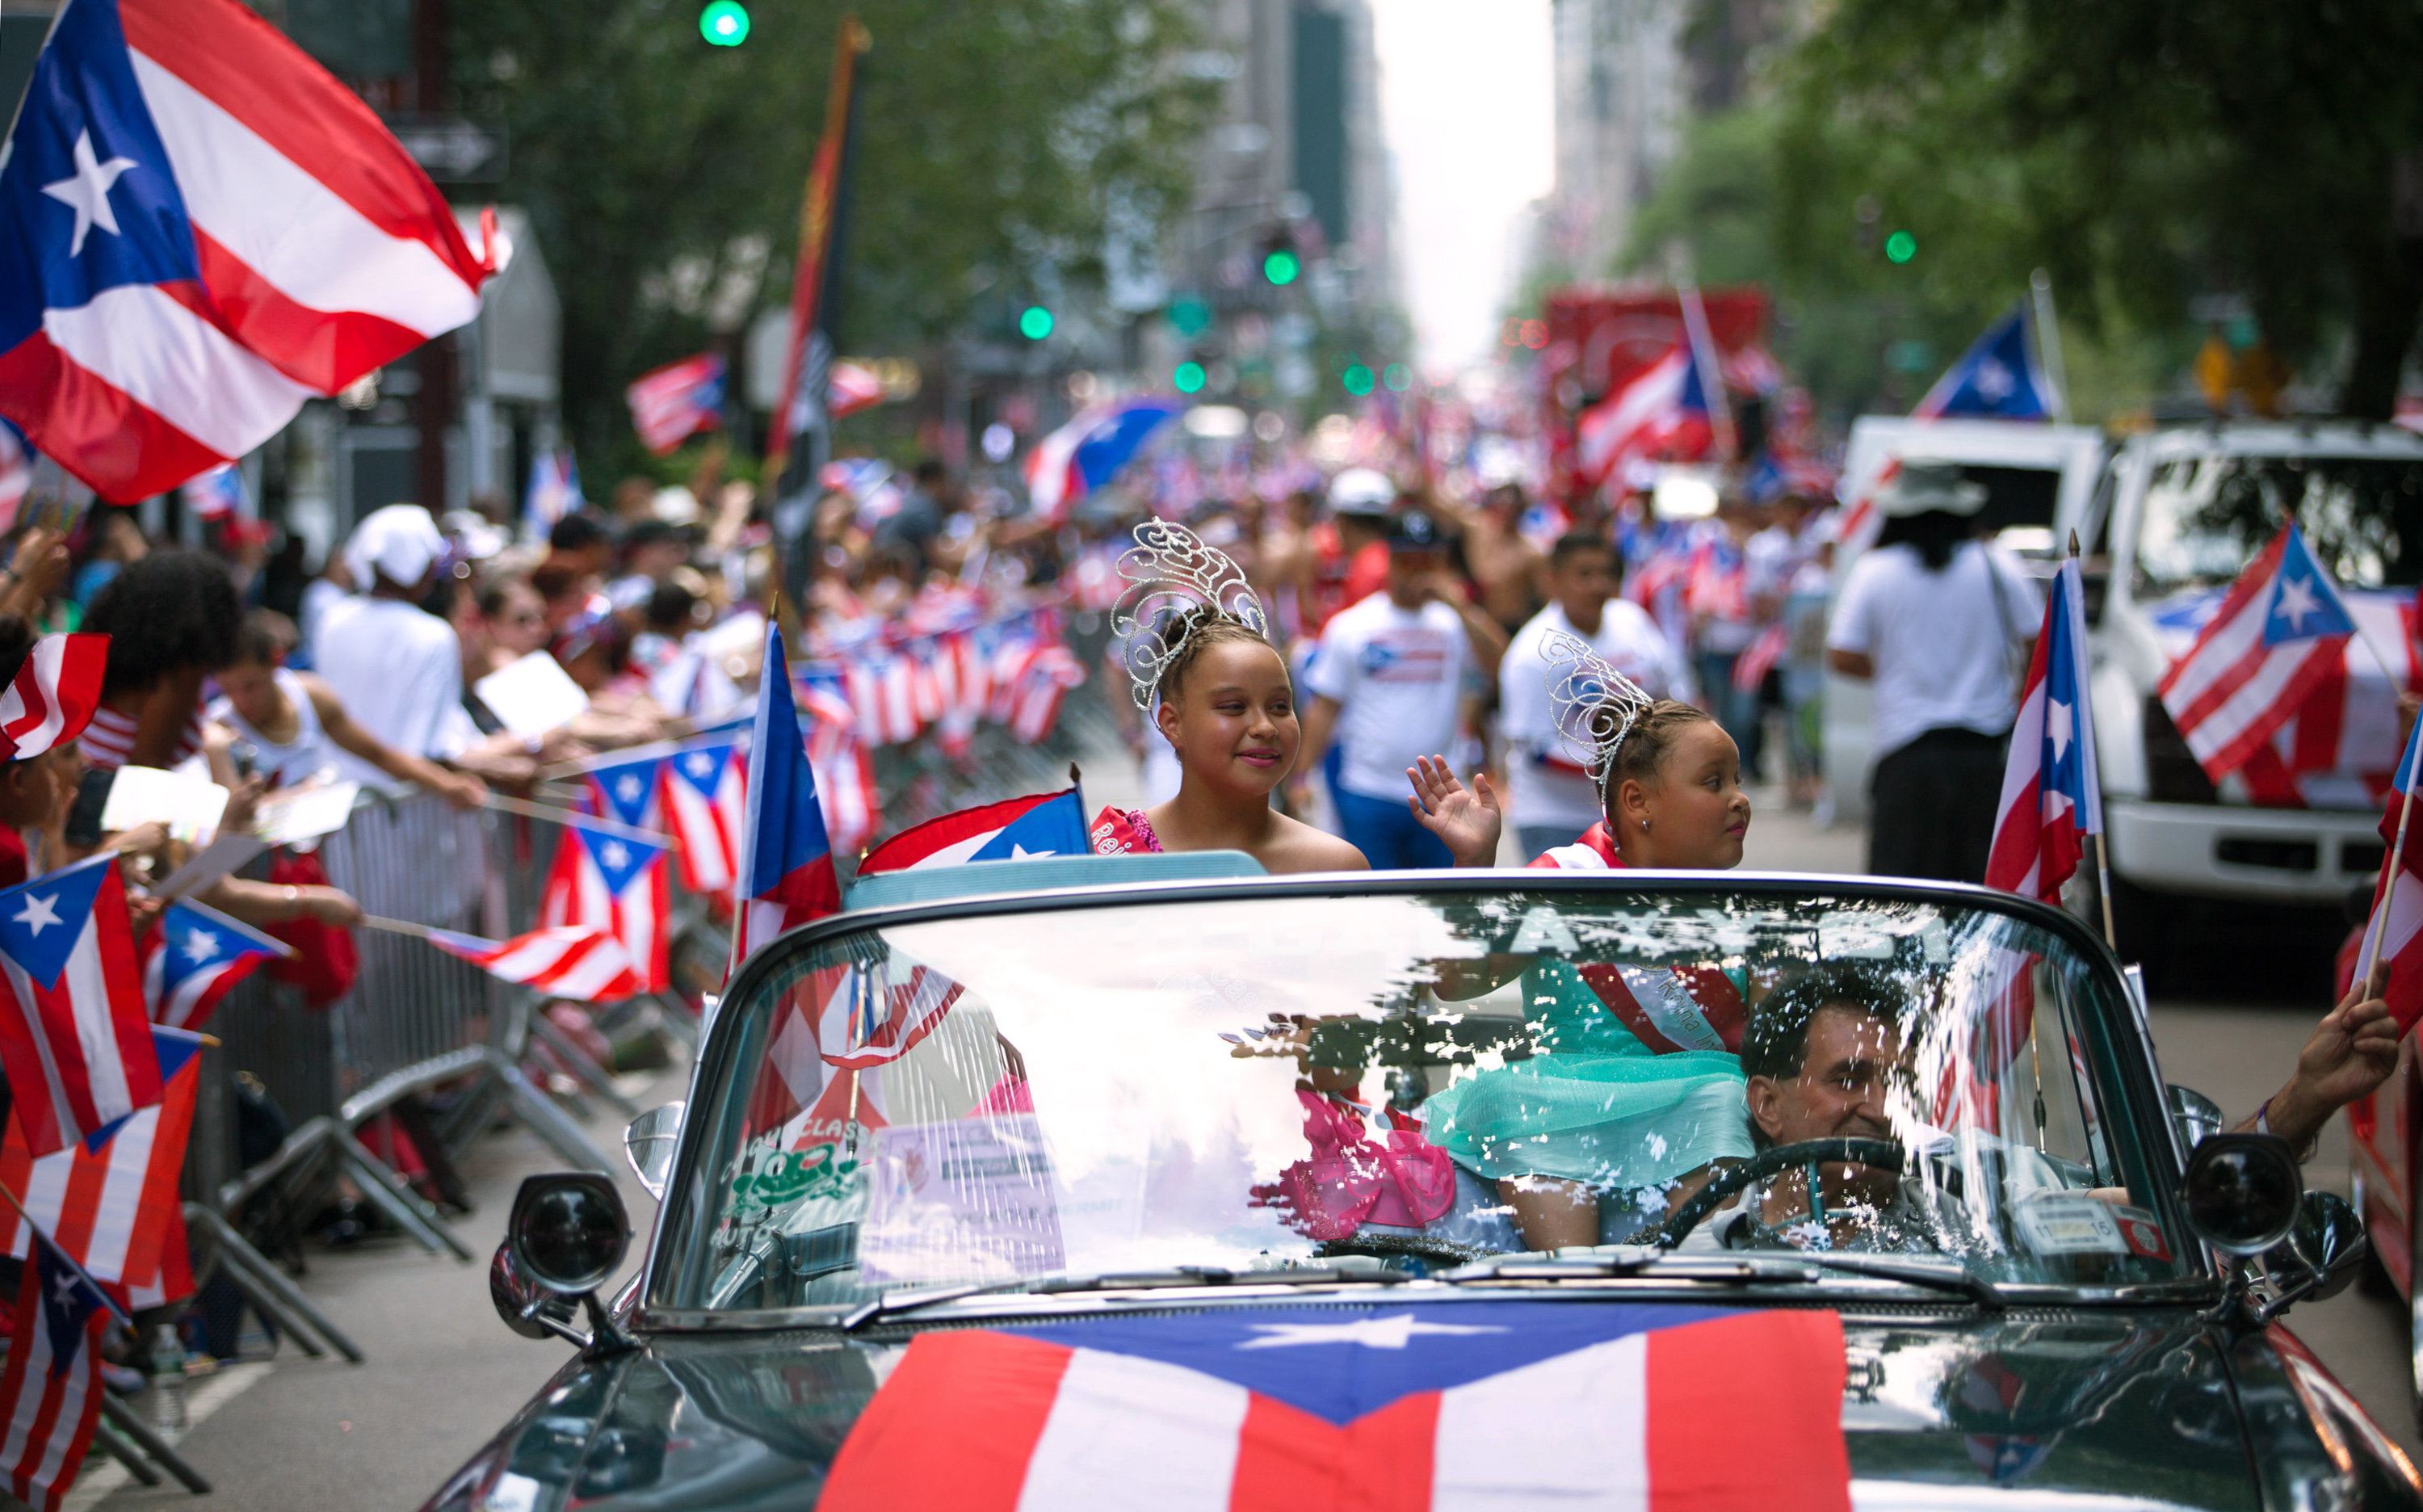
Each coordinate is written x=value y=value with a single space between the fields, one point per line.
x=2280 y=631
x=1089 y=451
x=1418 y=1408
x=200 y=230
x=2394 y=930
x=610 y=879
x=195 y=956
x=786 y=867
x=52 y=697
x=74 y=1040
x=576 y=961
x=2051 y=793
x=705 y=803
x=626 y=792
x=1040 y=824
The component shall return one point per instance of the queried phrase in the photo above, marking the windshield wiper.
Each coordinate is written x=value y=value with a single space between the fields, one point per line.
x=899 y=1304
x=1939 y=1275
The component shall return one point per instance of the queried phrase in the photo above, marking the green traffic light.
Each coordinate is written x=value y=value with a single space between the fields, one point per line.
x=1035 y=323
x=1901 y=247
x=1397 y=376
x=1188 y=378
x=724 y=23
x=1282 y=266
x=1358 y=379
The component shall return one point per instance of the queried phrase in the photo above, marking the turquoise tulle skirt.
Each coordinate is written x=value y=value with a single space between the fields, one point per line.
x=1592 y=1104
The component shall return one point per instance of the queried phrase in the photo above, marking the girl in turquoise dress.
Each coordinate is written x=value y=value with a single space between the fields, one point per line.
x=1633 y=1083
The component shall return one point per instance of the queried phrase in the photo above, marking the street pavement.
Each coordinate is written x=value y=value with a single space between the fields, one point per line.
x=443 y=1374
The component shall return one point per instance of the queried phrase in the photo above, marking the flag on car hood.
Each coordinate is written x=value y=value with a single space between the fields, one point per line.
x=1040 y=824
x=1407 y=1407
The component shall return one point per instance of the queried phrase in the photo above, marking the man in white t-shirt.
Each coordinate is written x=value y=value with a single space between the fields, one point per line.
x=1550 y=793
x=1389 y=683
x=1943 y=624
x=397 y=669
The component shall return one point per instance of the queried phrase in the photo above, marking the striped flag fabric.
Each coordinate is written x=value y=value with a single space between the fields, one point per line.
x=1663 y=412
x=52 y=697
x=604 y=879
x=553 y=492
x=194 y=956
x=674 y=403
x=74 y=1040
x=2279 y=631
x=786 y=868
x=2051 y=792
x=217 y=494
x=200 y=230
x=1421 y=1409
x=845 y=789
x=1089 y=451
x=871 y=1014
x=16 y=472
x=51 y=1386
x=704 y=802
x=116 y=1210
x=576 y=961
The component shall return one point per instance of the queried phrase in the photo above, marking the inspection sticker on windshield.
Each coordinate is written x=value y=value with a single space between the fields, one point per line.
x=2143 y=1233
x=2071 y=1225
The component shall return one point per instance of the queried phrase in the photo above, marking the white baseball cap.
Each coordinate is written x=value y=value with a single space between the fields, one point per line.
x=400 y=542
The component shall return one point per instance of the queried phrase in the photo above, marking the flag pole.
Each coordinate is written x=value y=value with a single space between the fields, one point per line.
x=2396 y=863
x=2048 y=346
x=573 y=818
x=36 y=1229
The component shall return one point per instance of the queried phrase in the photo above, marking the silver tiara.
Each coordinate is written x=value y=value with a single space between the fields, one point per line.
x=1594 y=706
x=1172 y=572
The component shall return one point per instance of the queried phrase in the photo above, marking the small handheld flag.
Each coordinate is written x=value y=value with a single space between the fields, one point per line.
x=575 y=961
x=73 y=1038
x=1040 y=824
x=194 y=957
x=2278 y=633
x=51 y=1386
x=2052 y=795
x=51 y=698
x=786 y=869
x=671 y=403
x=1996 y=378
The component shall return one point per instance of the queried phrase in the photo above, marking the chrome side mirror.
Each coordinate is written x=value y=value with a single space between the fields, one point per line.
x=2241 y=1191
x=2195 y=1115
x=564 y=1240
x=649 y=1144
x=2324 y=1248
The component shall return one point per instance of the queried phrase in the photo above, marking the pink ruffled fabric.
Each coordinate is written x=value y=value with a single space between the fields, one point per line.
x=1353 y=1179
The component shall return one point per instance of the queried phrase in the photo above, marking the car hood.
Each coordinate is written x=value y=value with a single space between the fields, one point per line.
x=2050 y=1409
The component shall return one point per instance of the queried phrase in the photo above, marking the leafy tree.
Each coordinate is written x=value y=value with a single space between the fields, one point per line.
x=663 y=176
x=2146 y=151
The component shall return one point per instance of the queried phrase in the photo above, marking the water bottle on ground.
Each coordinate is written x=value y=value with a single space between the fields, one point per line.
x=167 y=1380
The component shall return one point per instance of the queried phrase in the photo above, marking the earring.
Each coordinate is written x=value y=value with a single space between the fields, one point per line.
x=1644 y=826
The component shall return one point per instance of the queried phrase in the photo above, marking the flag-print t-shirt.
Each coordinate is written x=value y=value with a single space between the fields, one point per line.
x=1397 y=676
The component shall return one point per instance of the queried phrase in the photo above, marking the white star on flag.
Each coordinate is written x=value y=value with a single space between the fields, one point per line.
x=40 y=914
x=617 y=854
x=1993 y=380
x=627 y=788
x=2296 y=601
x=2058 y=728
x=1020 y=852
x=1371 y=1333
x=63 y=1292
x=699 y=764
x=200 y=945
x=88 y=192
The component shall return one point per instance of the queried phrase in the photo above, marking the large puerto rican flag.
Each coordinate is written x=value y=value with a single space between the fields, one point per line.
x=1421 y=1409
x=1040 y=824
x=74 y=1040
x=2052 y=795
x=613 y=881
x=200 y=230
x=1663 y=412
x=2280 y=631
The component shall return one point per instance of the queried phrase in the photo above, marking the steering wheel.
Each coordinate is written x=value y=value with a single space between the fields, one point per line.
x=1884 y=1154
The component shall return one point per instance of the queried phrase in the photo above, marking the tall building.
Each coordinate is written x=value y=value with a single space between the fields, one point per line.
x=1622 y=92
x=1295 y=157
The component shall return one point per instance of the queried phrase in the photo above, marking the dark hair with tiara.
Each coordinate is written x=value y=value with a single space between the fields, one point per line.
x=1188 y=634
x=1184 y=596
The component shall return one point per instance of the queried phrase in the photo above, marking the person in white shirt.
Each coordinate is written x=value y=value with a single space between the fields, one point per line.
x=1389 y=683
x=397 y=668
x=1552 y=797
x=1942 y=624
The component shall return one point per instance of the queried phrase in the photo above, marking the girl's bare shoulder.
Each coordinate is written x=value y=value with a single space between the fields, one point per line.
x=1299 y=847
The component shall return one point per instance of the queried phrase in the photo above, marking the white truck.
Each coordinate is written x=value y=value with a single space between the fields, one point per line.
x=2167 y=520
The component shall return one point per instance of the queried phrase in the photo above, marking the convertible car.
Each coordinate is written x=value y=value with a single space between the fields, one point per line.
x=1126 y=1182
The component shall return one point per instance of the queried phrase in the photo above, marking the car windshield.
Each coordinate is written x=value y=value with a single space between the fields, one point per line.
x=1409 y=1081
x=2206 y=516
